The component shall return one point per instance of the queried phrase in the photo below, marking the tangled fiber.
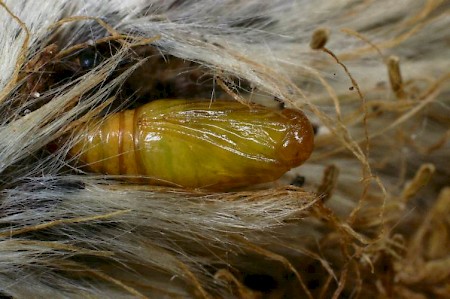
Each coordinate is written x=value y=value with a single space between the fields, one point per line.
x=367 y=216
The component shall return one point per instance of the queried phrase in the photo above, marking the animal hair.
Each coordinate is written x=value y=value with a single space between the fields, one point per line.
x=367 y=219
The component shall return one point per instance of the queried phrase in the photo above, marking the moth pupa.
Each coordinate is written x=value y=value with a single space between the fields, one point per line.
x=197 y=144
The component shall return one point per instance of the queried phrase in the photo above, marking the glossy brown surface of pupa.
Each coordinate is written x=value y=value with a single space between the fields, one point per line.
x=197 y=144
